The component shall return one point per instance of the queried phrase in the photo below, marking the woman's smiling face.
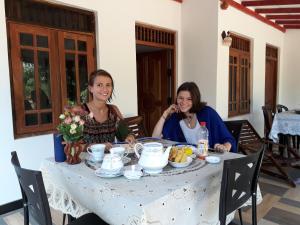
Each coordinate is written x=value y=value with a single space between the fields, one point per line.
x=102 y=88
x=184 y=101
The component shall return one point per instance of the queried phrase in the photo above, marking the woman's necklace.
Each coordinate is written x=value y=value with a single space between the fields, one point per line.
x=189 y=120
x=100 y=110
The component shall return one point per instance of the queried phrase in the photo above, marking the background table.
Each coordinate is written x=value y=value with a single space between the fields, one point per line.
x=285 y=123
x=190 y=197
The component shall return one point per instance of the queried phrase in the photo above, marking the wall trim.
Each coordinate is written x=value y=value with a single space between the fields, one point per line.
x=252 y=13
x=11 y=206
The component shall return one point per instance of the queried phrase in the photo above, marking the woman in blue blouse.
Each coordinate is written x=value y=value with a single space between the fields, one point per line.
x=180 y=122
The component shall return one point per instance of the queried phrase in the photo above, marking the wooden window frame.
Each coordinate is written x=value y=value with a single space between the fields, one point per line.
x=57 y=74
x=240 y=50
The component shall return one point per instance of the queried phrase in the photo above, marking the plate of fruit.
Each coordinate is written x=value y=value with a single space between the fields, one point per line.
x=180 y=156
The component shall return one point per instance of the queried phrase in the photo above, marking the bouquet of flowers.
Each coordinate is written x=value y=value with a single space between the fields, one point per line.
x=71 y=126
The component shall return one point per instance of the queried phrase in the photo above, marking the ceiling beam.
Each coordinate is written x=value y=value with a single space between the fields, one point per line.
x=278 y=10
x=250 y=12
x=287 y=22
x=292 y=26
x=288 y=16
x=270 y=2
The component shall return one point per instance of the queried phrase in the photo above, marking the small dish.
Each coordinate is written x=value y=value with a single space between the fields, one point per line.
x=108 y=173
x=181 y=165
x=212 y=159
x=133 y=174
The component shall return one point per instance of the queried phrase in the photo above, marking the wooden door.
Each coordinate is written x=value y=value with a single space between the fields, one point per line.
x=271 y=76
x=152 y=82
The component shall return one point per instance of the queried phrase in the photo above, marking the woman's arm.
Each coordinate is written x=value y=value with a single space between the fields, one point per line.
x=157 y=131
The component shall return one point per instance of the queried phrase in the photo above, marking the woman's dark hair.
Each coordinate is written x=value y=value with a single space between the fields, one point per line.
x=195 y=95
x=103 y=73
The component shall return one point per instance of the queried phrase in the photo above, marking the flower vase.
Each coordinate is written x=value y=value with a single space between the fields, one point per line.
x=72 y=151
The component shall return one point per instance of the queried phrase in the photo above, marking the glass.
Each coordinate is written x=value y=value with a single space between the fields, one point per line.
x=27 y=58
x=31 y=119
x=71 y=78
x=44 y=76
x=46 y=117
x=69 y=44
x=81 y=45
x=83 y=78
x=26 y=39
x=42 y=41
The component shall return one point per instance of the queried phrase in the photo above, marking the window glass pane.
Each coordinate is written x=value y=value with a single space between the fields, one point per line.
x=81 y=45
x=70 y=78
x=83 y=78
x=46 y=117
x=69 y=44
x=42 y=41
x=26 y=39
x=28 y=79
x=31 y=119
x=44 y=75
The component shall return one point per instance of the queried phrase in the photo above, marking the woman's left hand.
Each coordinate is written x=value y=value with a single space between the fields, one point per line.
x=222 y=147
x=130 y=139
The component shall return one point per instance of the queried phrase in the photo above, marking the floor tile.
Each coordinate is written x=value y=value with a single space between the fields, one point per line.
x=272 y=189
x=282 y=217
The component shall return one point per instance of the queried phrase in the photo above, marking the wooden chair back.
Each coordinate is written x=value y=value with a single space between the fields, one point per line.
x=136 y=126
x=268 y=116
x=235 y=127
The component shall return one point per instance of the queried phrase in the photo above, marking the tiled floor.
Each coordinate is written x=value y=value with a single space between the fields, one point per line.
x=280 y=206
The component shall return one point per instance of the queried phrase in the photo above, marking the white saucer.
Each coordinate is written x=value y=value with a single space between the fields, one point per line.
x=212 y=159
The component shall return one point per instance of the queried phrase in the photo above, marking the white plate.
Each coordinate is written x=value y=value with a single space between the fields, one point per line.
x=181 y=165
x=212 y=159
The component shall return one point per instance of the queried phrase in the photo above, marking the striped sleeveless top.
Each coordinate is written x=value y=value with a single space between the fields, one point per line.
x=96 y=132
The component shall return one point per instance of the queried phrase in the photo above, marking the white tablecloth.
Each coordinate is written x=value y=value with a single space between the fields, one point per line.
x=190 y=198
x=285 y=123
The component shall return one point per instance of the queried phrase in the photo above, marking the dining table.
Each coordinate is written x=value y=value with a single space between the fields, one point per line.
x=287 y=122
x=187 y=195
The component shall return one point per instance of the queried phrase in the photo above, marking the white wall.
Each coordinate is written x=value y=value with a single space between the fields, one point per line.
x=116 y=53
x=199 y=46
x=290 y=79
x=260 y=34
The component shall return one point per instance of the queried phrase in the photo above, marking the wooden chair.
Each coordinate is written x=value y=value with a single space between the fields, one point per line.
x=272 y=164
x=235 y=191
x=235 y=127
x=268 y=116
x=35 y=198
x=136 y=126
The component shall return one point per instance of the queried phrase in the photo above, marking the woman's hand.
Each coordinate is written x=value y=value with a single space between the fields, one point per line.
x=169 y=111
x=222 y=147
x=130 y=139
x=108 y=145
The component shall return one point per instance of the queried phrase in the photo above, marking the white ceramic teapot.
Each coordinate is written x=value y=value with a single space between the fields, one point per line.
x=153 y=157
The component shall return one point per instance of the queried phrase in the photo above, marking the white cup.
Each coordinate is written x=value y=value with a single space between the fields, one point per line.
x=96 y=151
x=112 y=162
x=119 y=151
